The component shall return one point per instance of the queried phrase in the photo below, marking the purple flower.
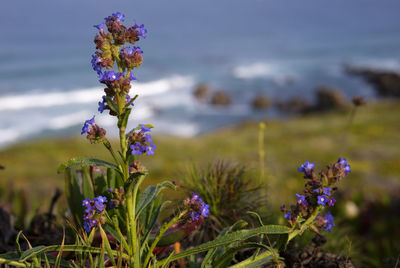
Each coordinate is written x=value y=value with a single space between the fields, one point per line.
x=109 y=76
x=132 y=50
x=147 y=138
x=141 y=30
x=99 y=26
x=204 y=209
x=329 y=222
x=85 y=127
x=316 y=190
x=322 y=200
x=144 y=128
x=93 y=206
x=132 y=77
x=327 y=191
x=137 y=148
x=128 y=99
x=343 y=162
x=287 y=216
x=301 y=199
x=102 y=105
x=150 y=149
x=306 y=167
x=95 y=60
x=331 y=202
x=115 y=16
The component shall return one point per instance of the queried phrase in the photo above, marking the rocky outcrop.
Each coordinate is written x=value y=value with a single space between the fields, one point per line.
x=385 y=83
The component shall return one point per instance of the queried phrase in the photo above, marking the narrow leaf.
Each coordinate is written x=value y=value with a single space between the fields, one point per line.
x=79 y=162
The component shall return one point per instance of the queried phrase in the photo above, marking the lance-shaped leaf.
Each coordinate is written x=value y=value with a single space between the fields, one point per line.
x=237 y=236
x=150 y=194
x=78 y=162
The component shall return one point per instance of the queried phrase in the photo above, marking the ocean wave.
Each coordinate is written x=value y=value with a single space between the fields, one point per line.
x=375 y=63
x=44 y=99
x=272 y=71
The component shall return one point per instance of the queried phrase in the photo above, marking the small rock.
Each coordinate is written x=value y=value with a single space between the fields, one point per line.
x=221 y=98
x=201 y=91
x=329 y=98
x=294 y=106
x=260 y=103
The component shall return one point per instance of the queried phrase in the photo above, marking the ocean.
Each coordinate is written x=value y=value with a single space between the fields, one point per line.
x=281 y=49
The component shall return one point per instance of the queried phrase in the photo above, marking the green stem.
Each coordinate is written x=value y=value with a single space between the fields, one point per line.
x=116 y=227
x=162 y=230
x=305 y=225
x=110 y=149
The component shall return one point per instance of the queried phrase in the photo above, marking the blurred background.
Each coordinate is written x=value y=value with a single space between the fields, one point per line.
x=211 y=70
x=282 y=50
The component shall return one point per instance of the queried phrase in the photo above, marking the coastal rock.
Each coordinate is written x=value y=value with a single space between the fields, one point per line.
x=295 y=106
x=329 y=98
x=221 y=98
x=202 y=91
x=386 y=83
x=260 y=103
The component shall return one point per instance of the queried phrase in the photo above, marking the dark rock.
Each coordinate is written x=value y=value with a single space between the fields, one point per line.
x=221 y=98
x=358 y=101
x=386 y=83
x=295 y=106
x=201 y=91
x=329 y=98
x=260 y=103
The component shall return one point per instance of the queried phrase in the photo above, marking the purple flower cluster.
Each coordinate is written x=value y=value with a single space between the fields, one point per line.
x=94 y=133
x=343 y=162
x=89 y=122
x=118 y=82
x=94 y=208
x=141 y=141
x=317 y=193
x=197 y=207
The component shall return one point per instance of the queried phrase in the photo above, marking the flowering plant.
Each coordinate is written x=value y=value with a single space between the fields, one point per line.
x=117 y=223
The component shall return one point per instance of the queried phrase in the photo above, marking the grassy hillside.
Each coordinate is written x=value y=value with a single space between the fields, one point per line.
x=371 y=144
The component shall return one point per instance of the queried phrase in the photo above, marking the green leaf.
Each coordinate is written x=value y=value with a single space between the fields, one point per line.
x=78 y=162
x=150 y=194
x=123 y=119
x=255 y=261
x=229 y=254
x=31 y=253
x=210 y=254
x=132 y=180
x=101 y=184
x=87 y=183
x=231 y=238
x=73 y=194
x=111 y=105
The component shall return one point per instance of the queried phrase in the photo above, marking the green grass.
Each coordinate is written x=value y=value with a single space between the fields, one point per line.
x=372 y=149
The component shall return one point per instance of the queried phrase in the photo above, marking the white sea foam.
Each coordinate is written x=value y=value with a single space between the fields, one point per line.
x=32 y=113
x=263 y=70
x=380 y=64
x=88 y=95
